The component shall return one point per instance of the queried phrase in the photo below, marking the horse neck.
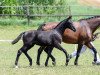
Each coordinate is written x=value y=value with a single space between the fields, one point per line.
x=94 y=24
x=60 y=29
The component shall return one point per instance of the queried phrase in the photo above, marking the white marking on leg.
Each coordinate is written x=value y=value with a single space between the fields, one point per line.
x=16 y=66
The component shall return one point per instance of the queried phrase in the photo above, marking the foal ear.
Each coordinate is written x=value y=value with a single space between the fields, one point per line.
x=70 y=17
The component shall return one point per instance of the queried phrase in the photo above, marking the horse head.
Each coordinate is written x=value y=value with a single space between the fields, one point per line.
x=69 y=23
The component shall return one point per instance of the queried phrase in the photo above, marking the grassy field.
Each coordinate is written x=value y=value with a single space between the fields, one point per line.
x=8 y=54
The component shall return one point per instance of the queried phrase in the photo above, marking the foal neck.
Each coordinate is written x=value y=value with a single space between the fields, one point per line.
x=60 y=28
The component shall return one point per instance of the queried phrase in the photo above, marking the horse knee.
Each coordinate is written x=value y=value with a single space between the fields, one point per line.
x=19 y=52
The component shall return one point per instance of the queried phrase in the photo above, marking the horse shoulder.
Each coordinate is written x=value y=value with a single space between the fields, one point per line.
x=76 y=24
x=57 y=37
x=69 y=36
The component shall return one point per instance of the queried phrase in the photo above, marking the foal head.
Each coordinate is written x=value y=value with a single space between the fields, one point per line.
x=66 y=23
x=69 y=24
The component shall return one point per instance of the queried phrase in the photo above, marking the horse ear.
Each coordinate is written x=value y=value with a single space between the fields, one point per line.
x=70 y=17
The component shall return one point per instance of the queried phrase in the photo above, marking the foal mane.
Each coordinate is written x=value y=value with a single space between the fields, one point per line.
x=93 y=17
x=60 y=23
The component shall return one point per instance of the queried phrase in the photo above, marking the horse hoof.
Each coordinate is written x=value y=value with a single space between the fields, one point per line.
x=76 y=64
x=30 y=64
x=46 y=64
x=66 y=64
x=38 y=63
x=54 y=63
x=16 y=66
x=96 y=63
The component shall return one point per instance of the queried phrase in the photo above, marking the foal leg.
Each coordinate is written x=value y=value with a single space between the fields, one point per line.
x=17 y=57
x=23 y=49
x=57 y=45
x=78 y=53
x=40 y=50
x=89 y=45
x=48 y=50
x=29 y=58
x=27 y=47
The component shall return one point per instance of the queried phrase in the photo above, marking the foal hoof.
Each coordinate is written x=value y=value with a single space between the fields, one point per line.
x=30 y=64
x=96 y=63
x=76 y=64
x=16 y=66
x=38 y=63
x=66 y=64
x=54 y=63
x=46 y=64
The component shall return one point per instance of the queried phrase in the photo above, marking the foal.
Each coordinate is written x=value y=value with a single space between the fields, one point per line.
x=51 y=38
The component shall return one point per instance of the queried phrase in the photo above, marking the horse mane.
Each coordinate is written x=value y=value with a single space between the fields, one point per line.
x=89 y=18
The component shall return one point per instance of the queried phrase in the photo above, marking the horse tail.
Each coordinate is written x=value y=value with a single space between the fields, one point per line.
x=40 y=27
x=18 y=38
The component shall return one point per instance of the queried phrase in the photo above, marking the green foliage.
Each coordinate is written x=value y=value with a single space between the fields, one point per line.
x=43 y=7
x=11 y=10
x=44 y=2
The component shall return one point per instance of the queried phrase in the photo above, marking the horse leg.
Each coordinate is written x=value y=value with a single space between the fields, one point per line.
x=73 y=54
x=78 y=53
x=27 y=47
x=40 y=50
x=89 y=45
x=29 y=58
x=58 y=46
x=24 y=49
x=17 y=57
x=48 y=50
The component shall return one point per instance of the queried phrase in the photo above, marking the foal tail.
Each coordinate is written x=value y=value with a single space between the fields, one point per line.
x=18 y=38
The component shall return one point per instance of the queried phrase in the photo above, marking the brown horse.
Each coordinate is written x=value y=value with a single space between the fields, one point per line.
x=83 y=35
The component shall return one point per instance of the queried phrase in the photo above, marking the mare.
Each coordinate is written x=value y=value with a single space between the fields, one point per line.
x=83 y=35
x=51 y=38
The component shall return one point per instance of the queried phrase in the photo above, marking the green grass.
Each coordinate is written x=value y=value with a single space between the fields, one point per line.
x=8 y=54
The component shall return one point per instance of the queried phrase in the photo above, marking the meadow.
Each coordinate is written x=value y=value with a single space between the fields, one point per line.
x=8 y=54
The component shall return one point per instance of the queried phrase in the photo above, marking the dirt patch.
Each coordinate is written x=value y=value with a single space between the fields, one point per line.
x=90 y=2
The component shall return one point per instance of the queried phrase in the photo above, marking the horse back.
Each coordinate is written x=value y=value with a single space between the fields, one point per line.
x=48 y=37
x=50 y=25
x=29 y=36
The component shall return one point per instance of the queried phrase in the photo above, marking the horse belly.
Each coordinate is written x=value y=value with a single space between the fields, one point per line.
x=70 y=40
x=70 y=37
x=44 y=41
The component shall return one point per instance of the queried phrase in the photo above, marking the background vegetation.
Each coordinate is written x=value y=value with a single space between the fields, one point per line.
x=43 y=7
